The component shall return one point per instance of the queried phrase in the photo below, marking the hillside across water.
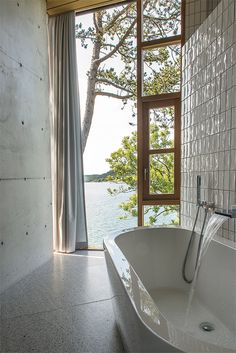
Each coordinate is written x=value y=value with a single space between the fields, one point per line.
x=97 y=177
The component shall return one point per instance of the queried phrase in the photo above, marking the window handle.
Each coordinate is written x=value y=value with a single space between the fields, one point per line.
x=145 y=173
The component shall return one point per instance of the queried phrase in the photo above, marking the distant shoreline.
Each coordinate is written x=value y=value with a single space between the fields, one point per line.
x=98 y=178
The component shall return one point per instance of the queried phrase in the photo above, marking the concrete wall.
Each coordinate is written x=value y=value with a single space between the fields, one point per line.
x=25 y=184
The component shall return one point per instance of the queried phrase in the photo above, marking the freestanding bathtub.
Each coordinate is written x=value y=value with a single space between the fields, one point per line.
x=150 y=298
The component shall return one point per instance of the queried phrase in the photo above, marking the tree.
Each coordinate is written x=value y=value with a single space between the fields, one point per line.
x=112 y=36
x=123 y=164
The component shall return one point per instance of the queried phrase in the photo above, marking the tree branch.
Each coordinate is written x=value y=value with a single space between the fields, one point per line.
x=115 y=192
x=113 y=95
x=121 y=42
x=168 y=170
x=127 y=57
x=158 y=214
x=110 y=83
x=174 y=16
x=95 y=22
x=115 y=18
x=98 y=22
x=85 y=37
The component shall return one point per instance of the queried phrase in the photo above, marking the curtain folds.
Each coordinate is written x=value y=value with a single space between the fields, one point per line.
x=69 y=218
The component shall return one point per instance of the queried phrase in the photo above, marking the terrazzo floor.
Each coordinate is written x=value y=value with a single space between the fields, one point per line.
x=63 y=307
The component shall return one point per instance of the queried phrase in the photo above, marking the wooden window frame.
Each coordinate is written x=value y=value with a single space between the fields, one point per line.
x=143 y=105
x=161 y=102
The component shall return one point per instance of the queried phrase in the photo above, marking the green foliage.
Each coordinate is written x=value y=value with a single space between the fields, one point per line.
x=115 y=31
x=113 y=34
x=161 y=18
x=162 y=70
x=123 y=164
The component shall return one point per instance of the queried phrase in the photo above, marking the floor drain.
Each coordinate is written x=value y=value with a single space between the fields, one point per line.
x=207 y=327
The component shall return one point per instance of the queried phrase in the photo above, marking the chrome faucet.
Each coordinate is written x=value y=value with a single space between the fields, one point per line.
x=199 y=178
x=209 y=206
x=206 y=205
x=227 y=213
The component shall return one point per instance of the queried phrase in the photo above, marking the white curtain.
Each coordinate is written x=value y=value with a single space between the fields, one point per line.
x=69 y=218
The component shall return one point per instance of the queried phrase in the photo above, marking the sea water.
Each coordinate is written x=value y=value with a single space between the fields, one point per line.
x=104 y=215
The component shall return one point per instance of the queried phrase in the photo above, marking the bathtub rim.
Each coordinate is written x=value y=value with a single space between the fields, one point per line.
x=187 y=341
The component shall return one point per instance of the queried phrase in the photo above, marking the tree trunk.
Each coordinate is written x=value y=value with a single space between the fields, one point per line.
x=91 y=90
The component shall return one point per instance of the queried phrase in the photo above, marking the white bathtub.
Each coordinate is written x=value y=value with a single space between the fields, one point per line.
x=150 y=297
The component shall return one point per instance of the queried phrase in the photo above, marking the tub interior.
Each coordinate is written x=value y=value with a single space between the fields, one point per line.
x=156 y=255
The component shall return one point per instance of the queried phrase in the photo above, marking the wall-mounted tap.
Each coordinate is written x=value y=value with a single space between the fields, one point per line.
x=209 y=206
x=205 y=204
x=199 y=179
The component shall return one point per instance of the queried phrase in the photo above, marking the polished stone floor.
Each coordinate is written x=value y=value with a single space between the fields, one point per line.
x=63 y=307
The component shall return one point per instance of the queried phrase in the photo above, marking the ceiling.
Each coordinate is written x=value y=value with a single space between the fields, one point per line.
x=56 y=7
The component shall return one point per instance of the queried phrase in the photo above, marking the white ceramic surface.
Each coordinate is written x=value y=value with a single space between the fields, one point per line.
x=208 y=112
x=150 y=298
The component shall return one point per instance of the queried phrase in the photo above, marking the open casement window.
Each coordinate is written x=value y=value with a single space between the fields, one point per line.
x=158 y=103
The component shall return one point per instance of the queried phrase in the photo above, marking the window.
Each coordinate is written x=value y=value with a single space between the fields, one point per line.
x=158 y=102
x=162 y=61
x=161 y=149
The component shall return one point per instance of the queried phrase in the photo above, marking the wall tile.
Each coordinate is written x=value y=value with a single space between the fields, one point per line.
x=197 y=11
x=209 y=111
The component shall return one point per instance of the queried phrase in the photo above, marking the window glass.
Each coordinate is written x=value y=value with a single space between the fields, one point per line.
x=161 y=18
x=161 y=127
x=161 y=70
x=161 y=215
x=161 y=173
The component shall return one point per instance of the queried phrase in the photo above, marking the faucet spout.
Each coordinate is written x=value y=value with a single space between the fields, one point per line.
x=226 y=213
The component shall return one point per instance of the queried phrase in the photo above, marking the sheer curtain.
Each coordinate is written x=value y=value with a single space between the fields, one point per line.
x=69 y=218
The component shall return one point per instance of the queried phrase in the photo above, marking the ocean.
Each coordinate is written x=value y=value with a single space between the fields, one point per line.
x=103 y=212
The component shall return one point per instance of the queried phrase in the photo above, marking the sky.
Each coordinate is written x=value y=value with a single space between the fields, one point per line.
x=110 y=124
